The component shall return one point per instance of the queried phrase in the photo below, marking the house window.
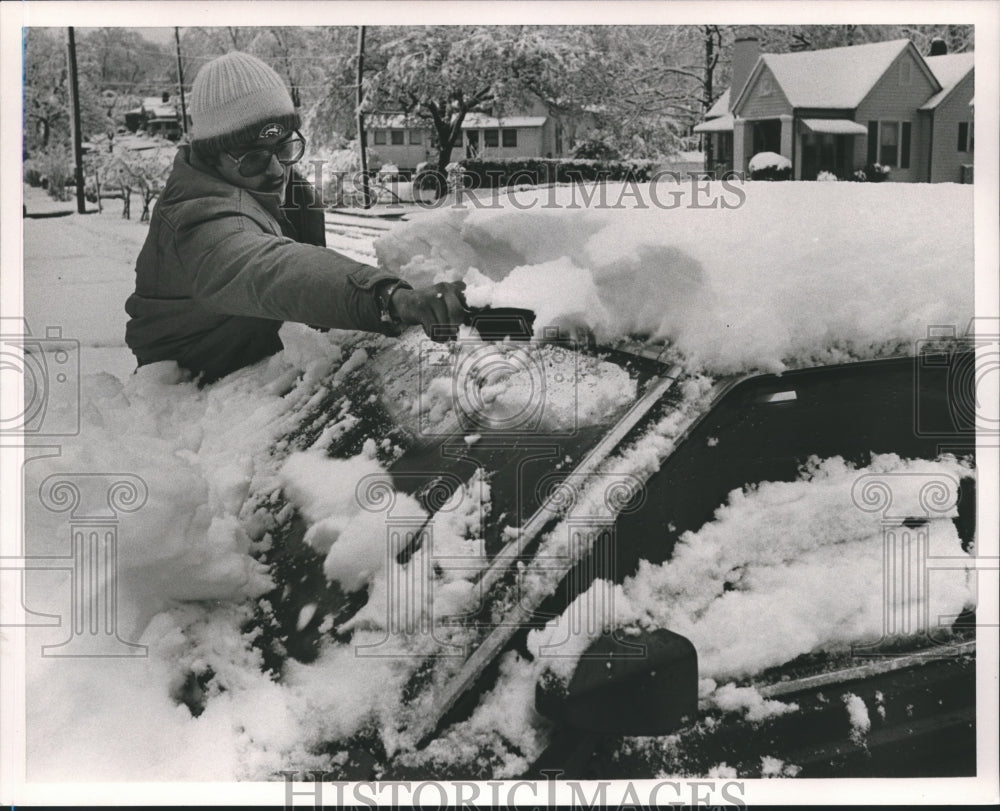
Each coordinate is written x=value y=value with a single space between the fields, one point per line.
x=889 y=143
x=472 y=143
x=963 y=136
x=888 y=152
x=509 y=137
x=416 y=137
x=491 y=138
x=766 y=85
x=905 y=71
x=398 y=137
x=379 y=137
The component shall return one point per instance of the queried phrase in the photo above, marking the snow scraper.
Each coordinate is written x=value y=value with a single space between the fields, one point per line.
x=498 y=323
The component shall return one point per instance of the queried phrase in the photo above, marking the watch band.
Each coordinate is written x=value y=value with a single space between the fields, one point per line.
x=384 y=298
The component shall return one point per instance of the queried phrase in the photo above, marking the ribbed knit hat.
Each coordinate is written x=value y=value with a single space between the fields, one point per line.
x=233 y=100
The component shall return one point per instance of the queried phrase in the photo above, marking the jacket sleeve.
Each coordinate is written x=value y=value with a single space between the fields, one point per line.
x=238 y=268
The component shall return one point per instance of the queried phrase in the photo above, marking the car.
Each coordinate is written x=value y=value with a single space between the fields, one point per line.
x=616 y=715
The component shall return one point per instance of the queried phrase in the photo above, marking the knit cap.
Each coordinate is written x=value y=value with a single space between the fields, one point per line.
x=234 y=101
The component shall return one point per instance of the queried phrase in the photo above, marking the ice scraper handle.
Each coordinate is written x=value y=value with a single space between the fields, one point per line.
x=500 y=323
x=439 y=308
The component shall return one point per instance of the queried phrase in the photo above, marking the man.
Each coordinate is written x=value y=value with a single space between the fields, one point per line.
x=234 y=248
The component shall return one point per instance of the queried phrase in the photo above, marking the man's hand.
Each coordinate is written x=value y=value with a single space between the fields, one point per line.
x=439 y=309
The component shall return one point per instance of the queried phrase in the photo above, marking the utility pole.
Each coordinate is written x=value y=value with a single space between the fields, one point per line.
x=362 y=146
x=180 y=80
x=709 y=33
x=74 y=90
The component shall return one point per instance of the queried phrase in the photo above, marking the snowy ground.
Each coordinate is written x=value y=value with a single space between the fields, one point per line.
x=800 y=273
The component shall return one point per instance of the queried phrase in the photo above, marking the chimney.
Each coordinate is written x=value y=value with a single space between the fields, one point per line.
x=745 y=53
x=938 y=47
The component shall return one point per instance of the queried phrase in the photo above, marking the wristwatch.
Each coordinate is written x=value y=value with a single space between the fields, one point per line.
x=383 y=295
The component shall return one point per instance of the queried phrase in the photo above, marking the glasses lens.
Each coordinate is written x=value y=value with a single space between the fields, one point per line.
x=255 y=162
x=287 y=152
x=291 y=151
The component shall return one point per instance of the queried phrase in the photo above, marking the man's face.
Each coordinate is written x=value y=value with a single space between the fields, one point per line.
x=272 y=179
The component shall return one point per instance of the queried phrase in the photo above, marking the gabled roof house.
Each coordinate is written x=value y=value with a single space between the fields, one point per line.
x=841 y=109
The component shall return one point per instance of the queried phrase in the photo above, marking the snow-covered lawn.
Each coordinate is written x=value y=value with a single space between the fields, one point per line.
x=800 y=273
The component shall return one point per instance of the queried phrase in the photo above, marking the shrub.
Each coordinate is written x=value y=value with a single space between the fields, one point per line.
x=872 y=173
x=32 y=174
x=770 y=166
x=827 y=177
x=52 y=169
x=596 y=149
x=427 y=178
x=340 y=174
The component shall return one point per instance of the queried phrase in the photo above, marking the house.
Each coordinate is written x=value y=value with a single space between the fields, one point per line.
x=532 y=132
x=841 y=109
x=157 y=115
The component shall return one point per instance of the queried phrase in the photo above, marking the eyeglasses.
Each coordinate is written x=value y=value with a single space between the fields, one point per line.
x=256 y=161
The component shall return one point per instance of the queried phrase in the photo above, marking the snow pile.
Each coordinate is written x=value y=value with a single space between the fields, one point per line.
x=759 y=276
x=474 y=386
x=768 y=160
x=199 y=461
x=775 y=767
x=327 y=493
x=755 y=708
x=193 y=456
x=750 y=589
x=355 y=517
x=857 y=713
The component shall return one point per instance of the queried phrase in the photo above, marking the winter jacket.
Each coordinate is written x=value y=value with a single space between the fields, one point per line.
x=222 y=267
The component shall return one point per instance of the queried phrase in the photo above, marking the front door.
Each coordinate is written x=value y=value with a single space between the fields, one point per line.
x=767 y=136
x=823 y=152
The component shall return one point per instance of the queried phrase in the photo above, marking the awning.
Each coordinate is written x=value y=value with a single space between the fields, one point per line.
x=724 y=123
x=835 y=126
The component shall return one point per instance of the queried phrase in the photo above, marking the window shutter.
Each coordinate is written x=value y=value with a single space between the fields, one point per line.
x=872 y=141
x=963 y=136
x=904 y=147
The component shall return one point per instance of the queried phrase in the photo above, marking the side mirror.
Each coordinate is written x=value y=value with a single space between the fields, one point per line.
x=647 y=685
